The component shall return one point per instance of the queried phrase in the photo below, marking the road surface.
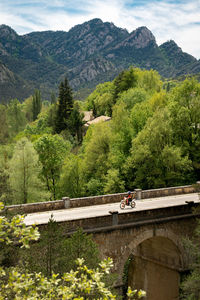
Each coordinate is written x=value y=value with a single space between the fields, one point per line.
x=103 y=210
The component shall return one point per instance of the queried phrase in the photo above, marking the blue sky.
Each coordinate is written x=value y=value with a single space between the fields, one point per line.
x=178 y=20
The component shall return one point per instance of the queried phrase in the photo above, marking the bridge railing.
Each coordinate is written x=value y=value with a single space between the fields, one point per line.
x=67 y=202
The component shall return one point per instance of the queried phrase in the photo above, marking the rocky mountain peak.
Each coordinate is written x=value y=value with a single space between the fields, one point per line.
x=88 y=53
x=97 y=28
x=7 y=32
x=138 y=39
x=172 y=48
x=141 y=37
x=171 y=45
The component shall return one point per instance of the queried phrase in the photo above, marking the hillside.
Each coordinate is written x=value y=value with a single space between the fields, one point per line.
x=87 y=54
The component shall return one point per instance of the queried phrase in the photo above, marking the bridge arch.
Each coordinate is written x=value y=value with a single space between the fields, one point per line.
x=156 y=260
x=158 y=232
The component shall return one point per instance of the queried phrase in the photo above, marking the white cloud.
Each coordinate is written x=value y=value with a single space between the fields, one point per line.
x=166 y=19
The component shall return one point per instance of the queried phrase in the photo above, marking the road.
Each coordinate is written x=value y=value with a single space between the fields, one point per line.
x=103 y=210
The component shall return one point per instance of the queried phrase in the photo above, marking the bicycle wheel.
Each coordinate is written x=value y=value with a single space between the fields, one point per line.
x=122 y=205
x=133 y=203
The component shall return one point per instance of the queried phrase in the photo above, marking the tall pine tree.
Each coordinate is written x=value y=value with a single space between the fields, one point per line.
x=37 y=104
x=65 y=106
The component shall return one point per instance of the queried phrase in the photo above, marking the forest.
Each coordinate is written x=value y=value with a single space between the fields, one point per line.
x=151 y=141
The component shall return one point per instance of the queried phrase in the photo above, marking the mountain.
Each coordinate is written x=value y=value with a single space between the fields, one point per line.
x=87 y=54
x=12 y=86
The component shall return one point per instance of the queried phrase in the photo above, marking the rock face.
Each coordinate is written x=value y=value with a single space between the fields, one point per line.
x=88 y=54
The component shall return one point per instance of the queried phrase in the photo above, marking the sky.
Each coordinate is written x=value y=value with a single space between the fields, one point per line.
x=168 y=20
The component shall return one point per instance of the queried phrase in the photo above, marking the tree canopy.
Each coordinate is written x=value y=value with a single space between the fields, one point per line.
x=152 y=139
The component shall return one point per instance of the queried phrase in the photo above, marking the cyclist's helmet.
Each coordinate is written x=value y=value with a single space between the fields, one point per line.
x=129 y=193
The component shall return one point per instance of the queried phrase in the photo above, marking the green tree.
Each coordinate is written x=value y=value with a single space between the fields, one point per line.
x=39 y=127
x=83 y=283
x=96 y=151
x=15 y=232
x=5 y=189
x=124 y=81
x=24 y=170
x=46 y=255
x=100 y=101
x=37 y=104
x=72 y=177
x=121 y=137
x=190 y=287
x=154 y=161
x=80 y=245
x=65 y=106
x=133 y=96
x=149 y=80
x=15 y=117
x=4 y=132
x=184 y=110
x=55 y=253
x=28 y=108
x=114 y=182
x=53 y=98
x=52 y=150
x=139 y=116
x=76 y=123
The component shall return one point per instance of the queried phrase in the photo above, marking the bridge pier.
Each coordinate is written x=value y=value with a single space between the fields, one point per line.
x=66 y=201
x=138 y=194
x=114 y=217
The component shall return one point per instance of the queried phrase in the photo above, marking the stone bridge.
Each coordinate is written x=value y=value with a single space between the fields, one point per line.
x=150 y=245
x=148 y=242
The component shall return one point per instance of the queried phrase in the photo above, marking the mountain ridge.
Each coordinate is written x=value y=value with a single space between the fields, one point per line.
x=87 y=54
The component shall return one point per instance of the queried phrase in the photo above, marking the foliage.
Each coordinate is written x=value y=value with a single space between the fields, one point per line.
x=190 y=287
x=133 y=96
x=80 y=245
x=4 y=132
x=152 y=139
x=96 y=152
x=51 y=115
x=139 y=115
x=15 y=231
x=124 y=81
x=185 y=116
x=100 y=101
x=149 y=80
x=28 y=108
x=154 y=161
x=114 y=182
x=81 y=283
x=57 y=253
x=24 y=171
x=51 y=150
x=38 y=128
x=65 y=106
x=15 y=117
x=45 y=256
x=72 y=182
x=76 y=123
x=37 y=104
x=5 y=189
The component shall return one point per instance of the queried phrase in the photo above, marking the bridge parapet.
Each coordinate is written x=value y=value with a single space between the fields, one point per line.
x=170 y=191
x=66 y=202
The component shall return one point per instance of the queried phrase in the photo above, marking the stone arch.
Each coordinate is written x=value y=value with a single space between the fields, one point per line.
x=150 y=233
x=158 y=258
